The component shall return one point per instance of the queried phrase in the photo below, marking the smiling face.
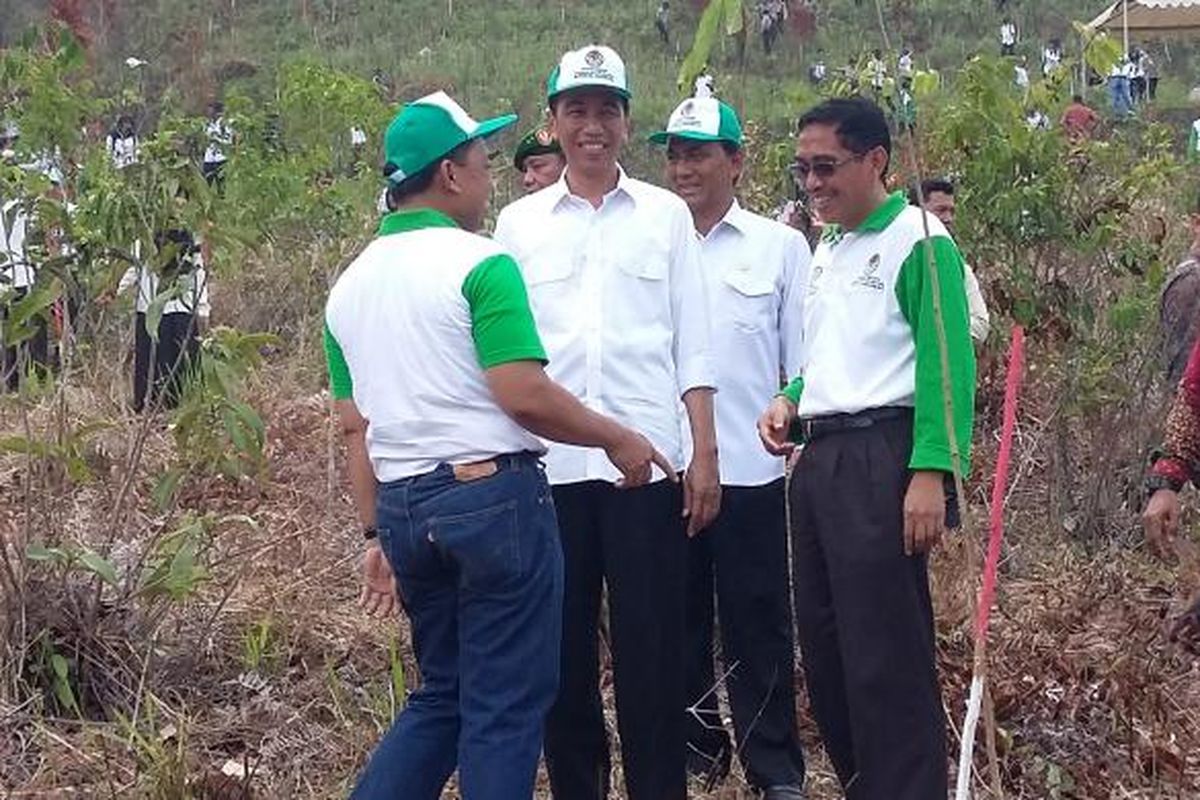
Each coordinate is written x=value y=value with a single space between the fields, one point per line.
x=591 y=126
x=704 y=174
x=844 y=186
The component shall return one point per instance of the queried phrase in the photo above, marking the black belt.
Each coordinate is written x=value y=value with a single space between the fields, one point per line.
x=812 y=428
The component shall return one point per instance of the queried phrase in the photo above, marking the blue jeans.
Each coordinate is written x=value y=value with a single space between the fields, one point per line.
x=479 y=569
x=1118 y=92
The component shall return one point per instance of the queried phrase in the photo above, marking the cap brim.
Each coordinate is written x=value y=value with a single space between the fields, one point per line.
x=494 y=125
x=622 y=93
x=662 y=137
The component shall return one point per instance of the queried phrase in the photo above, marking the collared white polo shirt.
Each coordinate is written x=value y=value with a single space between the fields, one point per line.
x=871 y=337
x=410 y=328
x=619 y=297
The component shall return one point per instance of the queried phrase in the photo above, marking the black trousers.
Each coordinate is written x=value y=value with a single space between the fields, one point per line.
x=33 y=353
x=864 y=617
x=633 y=541
x=742 y=559
x=170 y=360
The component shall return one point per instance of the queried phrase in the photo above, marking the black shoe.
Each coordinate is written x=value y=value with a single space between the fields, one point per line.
x=784 y=793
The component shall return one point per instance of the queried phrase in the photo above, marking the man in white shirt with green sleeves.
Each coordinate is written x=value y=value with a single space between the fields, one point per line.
x=869 y=495
x=436 y=368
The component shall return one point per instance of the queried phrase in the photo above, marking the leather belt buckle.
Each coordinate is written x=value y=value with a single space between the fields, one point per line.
x=478 y=470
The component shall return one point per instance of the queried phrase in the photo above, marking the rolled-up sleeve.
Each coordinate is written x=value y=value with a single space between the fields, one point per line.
x=691 y=347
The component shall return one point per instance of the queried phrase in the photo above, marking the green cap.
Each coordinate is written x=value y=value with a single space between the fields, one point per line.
x=425 y=130
x=594 y=66
x=537 y=142
x=703 y=119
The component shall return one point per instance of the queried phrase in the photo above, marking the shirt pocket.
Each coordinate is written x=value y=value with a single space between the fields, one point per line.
x=639 y=288
x=751 y=299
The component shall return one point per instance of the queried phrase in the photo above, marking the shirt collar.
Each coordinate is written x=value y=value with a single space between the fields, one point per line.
x=560 y=191
x=414 y=220
x=734 y=219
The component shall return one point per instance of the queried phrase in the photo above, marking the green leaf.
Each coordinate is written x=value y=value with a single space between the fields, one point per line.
x=707 y=32
x=37 y=552
x=94 y=562
x=165 y=488
x=62 y=682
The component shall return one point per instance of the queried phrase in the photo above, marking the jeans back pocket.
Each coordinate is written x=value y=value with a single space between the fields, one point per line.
x=483 y=543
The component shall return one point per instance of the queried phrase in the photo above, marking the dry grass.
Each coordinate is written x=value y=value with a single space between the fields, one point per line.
x=273 y=670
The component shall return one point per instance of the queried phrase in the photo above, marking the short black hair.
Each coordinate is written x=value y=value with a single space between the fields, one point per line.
x=418 y=182
x=859 y=123
x=1076 y=98
x=928 y=187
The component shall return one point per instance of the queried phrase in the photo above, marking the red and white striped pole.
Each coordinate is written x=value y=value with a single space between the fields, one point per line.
x=987 y=591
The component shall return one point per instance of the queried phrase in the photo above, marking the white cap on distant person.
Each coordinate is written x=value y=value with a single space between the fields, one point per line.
x=593 y=66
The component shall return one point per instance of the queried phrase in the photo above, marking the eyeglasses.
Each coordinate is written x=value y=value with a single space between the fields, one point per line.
x=822 y=168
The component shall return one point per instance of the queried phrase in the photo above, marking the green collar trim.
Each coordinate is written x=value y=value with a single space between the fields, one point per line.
x=414 y=220
x=884 y=214
x=878 y=220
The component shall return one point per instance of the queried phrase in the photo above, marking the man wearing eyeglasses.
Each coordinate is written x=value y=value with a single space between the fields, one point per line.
x=755 y=270
x=869 y=494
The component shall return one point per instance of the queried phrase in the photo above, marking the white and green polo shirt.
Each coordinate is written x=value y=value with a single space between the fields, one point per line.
x=410 y=327
x=870 y=335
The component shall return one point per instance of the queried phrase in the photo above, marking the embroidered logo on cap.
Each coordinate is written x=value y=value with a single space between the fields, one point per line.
x=594 y=58
x=543 y=137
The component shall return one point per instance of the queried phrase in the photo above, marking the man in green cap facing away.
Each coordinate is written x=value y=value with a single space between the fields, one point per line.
x=539 y=159
x=614 y=276
x=756 y=270
x=436 y=368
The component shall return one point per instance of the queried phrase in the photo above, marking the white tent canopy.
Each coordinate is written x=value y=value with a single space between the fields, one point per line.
x=1148 y=19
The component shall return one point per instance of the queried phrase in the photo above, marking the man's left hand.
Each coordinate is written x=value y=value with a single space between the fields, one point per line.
x=701 y=493
x=924 y=512
x=378 y=596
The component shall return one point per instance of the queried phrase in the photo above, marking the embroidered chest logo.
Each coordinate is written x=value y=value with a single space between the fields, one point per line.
x=868 y=278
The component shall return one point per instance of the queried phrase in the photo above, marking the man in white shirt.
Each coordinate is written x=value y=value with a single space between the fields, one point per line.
x=940 y=201
x=161 y=361
x=220 y=137
x=436 y=369
x=17 y=277
x=1021 y=75
x=1008 y=37
x=122 y=143
x=755 y=270
x=870 y=492
x=617 y=289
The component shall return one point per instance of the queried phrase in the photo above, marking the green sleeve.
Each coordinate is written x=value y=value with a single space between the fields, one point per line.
x=914 y=289
x=339 y=374
x=501 y=320
x=794 y=389
x=1193 y=141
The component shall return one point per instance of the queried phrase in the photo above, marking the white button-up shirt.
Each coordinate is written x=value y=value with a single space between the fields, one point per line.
x=619 y=298
x=756 y=270
x=16 y=272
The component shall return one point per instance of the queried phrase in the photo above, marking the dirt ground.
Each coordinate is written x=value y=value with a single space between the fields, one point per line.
x=270 y=682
